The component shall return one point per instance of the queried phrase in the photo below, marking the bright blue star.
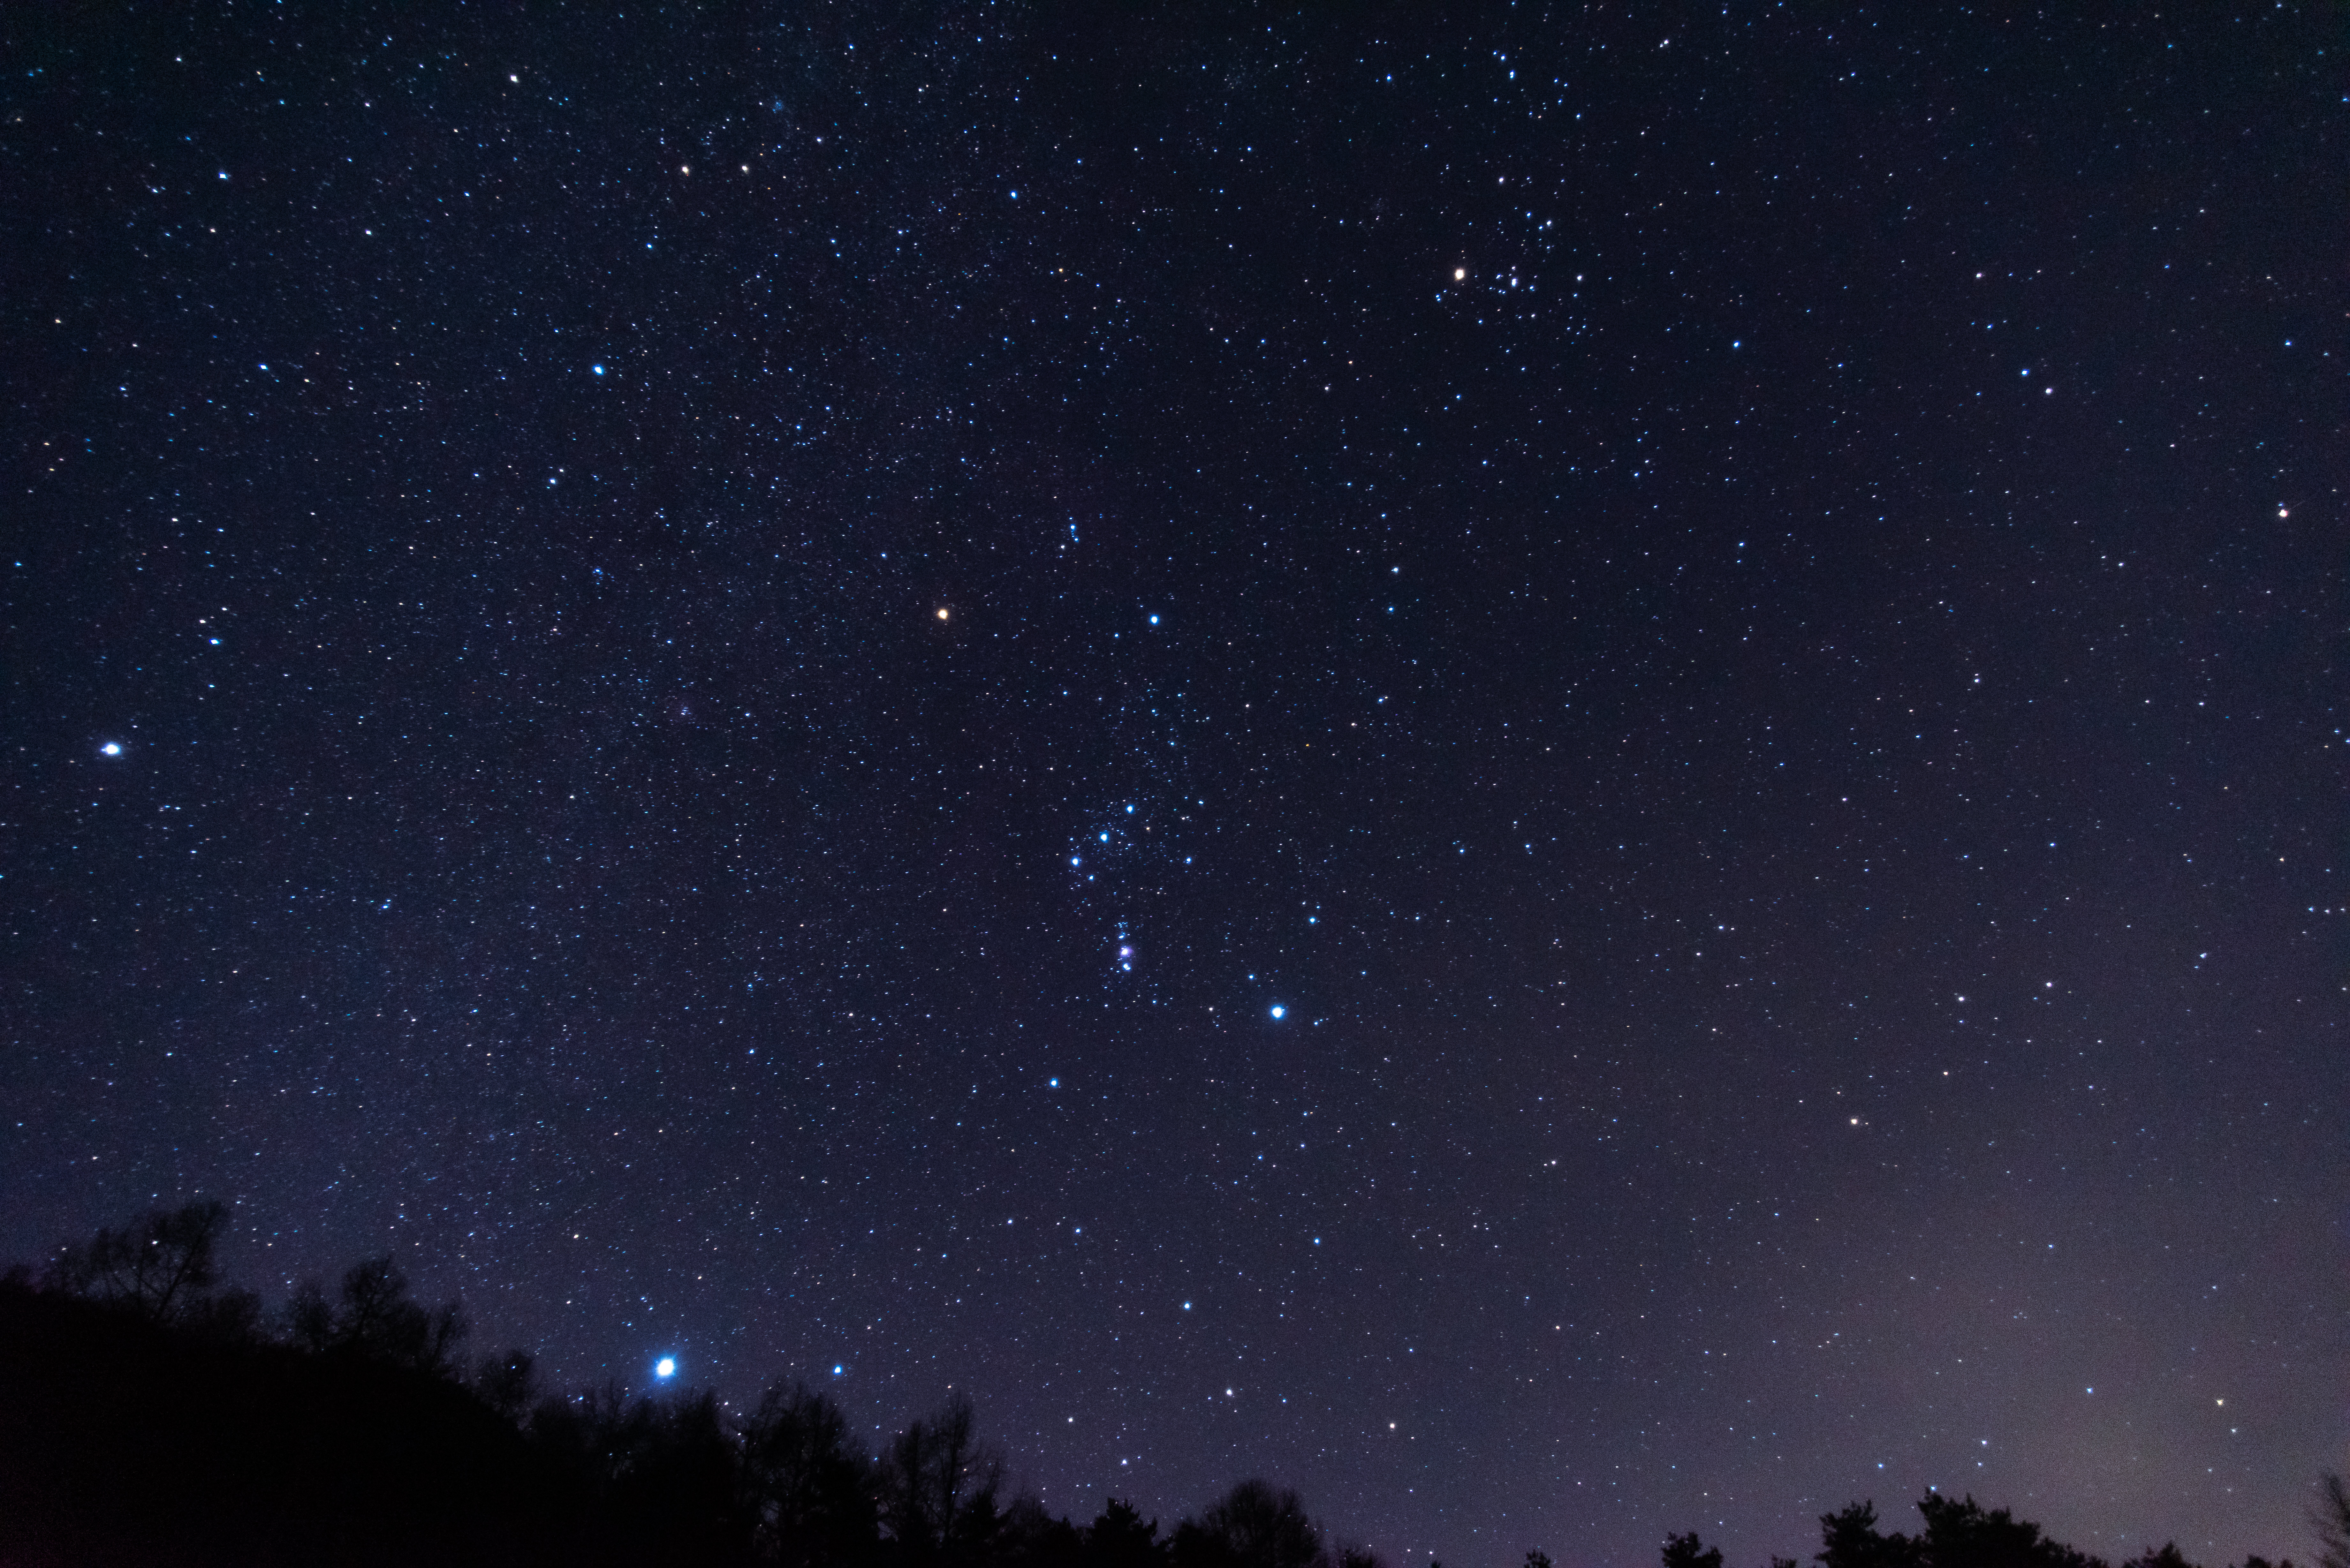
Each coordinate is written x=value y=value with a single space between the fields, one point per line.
x=665 y=1367
x=1279 y=1011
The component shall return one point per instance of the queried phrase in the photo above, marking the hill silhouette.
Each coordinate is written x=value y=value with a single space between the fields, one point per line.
x=153 y=1417
x=128 y=1440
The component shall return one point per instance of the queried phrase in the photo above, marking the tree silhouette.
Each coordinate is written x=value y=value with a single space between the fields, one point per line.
x=940 y=1488
x=157 y=1267
x=663 y=1479
x=1850 y=1540
x=599 y=1435
x=1033 y=1538
x=507 y=1384
x=1688 y=1551
x=149 y=1418
x=1960 y=1533
x=1252 y=1526
x=809 y=1482
x=2331 y=1520
x=683 y=1491
x=1118 y=1538
x=1966 y=1535
x=375 y=1319
x=229 y=1317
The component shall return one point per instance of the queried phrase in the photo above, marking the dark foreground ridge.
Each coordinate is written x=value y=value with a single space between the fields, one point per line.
x=152 y=1417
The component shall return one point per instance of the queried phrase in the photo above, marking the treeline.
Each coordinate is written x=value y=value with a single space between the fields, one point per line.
x=148 y=1414
x=1965 y=1534
x=151 y=1415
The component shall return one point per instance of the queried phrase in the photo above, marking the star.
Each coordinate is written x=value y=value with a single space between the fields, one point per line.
x=629 y=946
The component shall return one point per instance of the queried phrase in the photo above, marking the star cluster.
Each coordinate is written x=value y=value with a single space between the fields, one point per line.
x=1570 y=776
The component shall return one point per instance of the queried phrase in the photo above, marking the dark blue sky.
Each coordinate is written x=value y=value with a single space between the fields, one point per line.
x=1571 y=772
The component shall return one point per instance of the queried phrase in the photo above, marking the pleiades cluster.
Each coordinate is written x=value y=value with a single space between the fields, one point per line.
x=1564 y=770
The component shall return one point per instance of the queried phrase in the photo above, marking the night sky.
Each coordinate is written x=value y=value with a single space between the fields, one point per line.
x=1567 y=771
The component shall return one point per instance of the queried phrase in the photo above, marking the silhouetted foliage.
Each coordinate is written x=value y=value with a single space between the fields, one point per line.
x=1966 y=1535
x=507 y=1384
x=940 y=1489
x=1688 y=1551
x=152 y=1417
x=682 y=1491
x=810 y=1484
x=1252 y=1526
x=2166 y=1555
x=1032 y=1538
x=373 y=1318
x=125 y=1439
x=1849 y=1539
x=2331 y=1520
x=233 y=1316
x=156 y=1267
x=664 y=1476
x=1118 y=1538
x=1963 y=1533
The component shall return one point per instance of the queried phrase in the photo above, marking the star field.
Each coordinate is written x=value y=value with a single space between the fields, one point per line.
x=1568 y=774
